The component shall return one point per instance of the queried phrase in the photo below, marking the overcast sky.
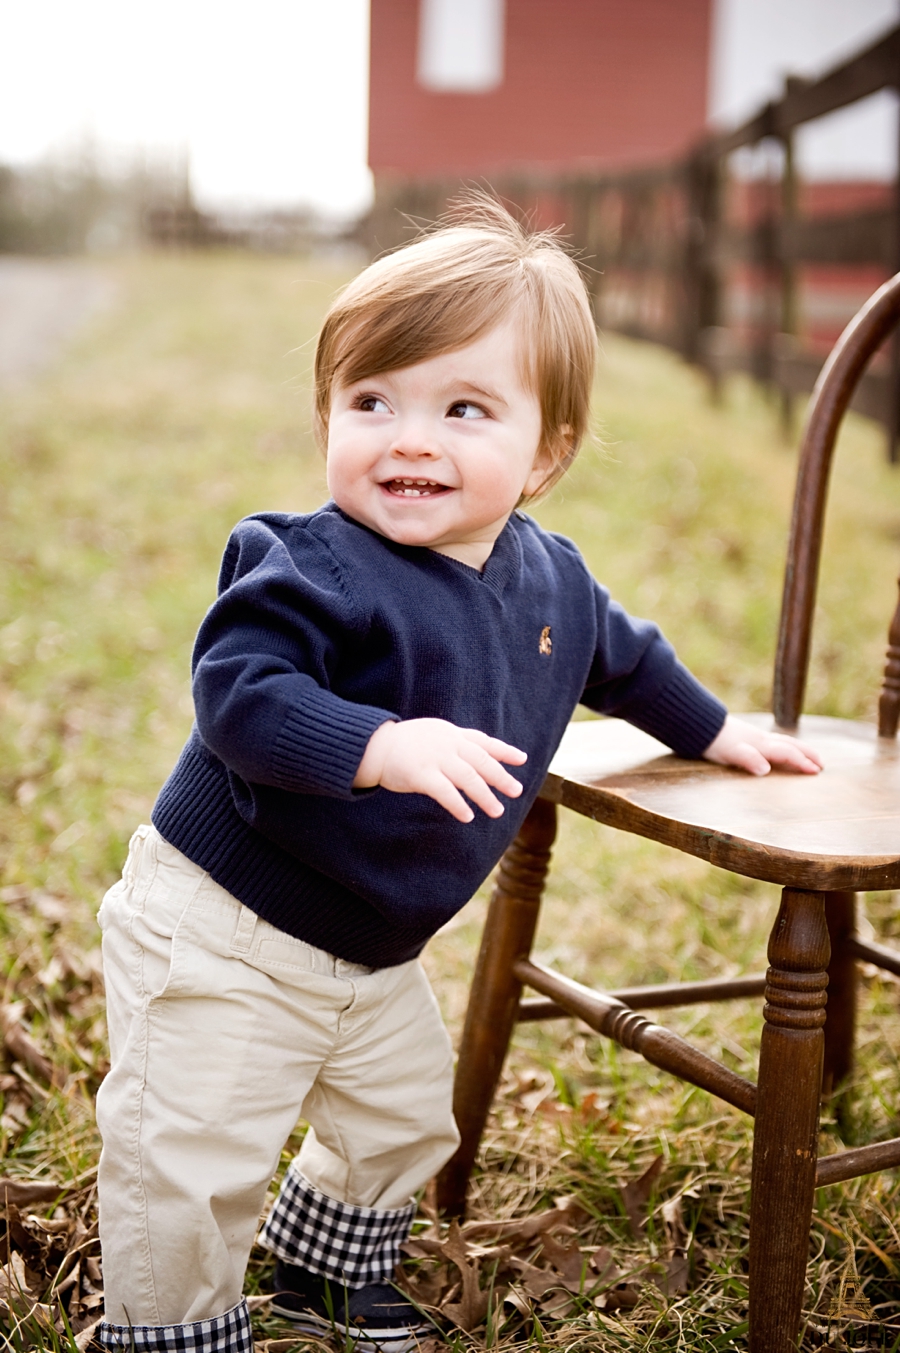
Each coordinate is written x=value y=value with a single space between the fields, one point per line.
x=757 y=42
x=268 y=97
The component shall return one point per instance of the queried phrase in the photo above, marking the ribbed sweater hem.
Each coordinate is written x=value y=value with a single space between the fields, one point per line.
x=196 y=814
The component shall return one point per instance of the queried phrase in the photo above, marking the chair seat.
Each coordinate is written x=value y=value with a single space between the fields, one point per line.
x=839 y=830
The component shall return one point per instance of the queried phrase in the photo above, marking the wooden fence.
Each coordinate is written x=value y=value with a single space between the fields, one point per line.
x=714 y=263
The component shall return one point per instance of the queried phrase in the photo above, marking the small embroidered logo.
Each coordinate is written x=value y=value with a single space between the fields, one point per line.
x=545 y=646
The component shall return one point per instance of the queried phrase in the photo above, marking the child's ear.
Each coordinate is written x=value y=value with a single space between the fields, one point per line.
x=551 y=455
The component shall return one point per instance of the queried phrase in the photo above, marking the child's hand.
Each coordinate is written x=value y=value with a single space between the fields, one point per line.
x=434 y=757
x=757 y=751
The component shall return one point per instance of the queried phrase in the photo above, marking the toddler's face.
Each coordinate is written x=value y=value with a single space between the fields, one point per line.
x=438 y=454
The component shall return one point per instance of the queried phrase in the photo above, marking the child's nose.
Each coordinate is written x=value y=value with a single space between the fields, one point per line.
x=415 y=443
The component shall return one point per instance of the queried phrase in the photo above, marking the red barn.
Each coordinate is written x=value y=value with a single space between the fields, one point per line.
x=548 y=101
x=472 y=88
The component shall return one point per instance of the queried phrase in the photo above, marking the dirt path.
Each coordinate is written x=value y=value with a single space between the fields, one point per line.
x=43 y=303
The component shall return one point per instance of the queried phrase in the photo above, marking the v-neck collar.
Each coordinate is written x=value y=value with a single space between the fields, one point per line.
x=503 y=564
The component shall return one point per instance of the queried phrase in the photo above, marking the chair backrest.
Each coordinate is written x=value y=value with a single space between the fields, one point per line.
x=833 y=391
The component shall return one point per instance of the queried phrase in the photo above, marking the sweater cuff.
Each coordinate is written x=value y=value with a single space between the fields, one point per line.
x=684 y=715
x=321 y=743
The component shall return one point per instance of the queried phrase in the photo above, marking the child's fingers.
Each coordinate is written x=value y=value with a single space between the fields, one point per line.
x=751 y=749
x=440 y=788
x=490 y=770
x=433 y=757
x=501 y=751
x=474 y=785
x=789 y=752
x=470 y=783
x=749 y=758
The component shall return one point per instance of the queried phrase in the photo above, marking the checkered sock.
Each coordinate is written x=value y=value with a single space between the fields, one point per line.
x=228 y=1333
x=352 y=1245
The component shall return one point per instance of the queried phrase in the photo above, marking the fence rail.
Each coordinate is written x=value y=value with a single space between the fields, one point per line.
x=714 y=264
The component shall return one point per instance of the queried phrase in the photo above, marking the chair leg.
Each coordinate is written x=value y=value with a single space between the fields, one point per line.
x=840 y=1024
x=494 y=997
x=785 y=1143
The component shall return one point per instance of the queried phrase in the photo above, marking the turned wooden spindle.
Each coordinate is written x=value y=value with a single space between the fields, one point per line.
x=494 y=999
x=889 y=703
x=787 y=1120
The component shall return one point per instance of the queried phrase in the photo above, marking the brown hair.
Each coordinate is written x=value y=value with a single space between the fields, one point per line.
x=446 y=289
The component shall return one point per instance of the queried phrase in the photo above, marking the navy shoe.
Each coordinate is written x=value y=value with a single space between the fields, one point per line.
x=373 y=1319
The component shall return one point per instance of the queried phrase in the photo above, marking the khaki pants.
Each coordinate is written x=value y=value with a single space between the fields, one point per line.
x=223 y=1032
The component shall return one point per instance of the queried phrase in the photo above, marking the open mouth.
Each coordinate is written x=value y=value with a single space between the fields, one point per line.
x=414 y=488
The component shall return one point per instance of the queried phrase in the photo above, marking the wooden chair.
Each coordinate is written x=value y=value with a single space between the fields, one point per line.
x=821 y=838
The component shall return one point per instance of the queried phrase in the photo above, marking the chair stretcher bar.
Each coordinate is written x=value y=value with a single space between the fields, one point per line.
x=618 y=1021
x=609 y=1015
x=655 y=998
x=862 y=1160
x=878 y=954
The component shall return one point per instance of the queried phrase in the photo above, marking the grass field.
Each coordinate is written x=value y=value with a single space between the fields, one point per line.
x=121 y=471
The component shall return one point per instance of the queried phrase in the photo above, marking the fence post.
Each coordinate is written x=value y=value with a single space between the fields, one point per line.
x=702 y=186
x=787 y=251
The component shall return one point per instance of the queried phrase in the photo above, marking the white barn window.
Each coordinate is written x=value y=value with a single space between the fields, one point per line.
x=461 y=45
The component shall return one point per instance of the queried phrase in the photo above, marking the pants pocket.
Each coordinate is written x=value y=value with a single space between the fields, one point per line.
x=141 y=914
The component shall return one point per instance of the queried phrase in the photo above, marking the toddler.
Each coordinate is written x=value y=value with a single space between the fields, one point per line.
x=379 y=689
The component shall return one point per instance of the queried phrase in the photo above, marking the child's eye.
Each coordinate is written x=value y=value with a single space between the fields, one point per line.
x=371 y=404
x=463 y=409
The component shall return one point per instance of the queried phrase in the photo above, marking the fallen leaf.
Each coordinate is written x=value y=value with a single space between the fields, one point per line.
x=416 y=1248
x=471 y=1309
x=592 y=1107
x=569 y=1262
x=519 y=1302
x=675 y=1277
x=636 y=1194
x=558 y=1305
x=605 y=1266
x=429 y=1208
x=84 y=1336
x=622 y=1297
x=255 y=1303
x=21 y=1192
x=13 y=1279
x=22 y=1046
x=21 y=1237
x=565 y=1210
x=536 y=1281
x=425 y=1286
x=678 y=1273
x=53 y=909
x=528 y=1088
x=673 y=1220
x=52 y=1225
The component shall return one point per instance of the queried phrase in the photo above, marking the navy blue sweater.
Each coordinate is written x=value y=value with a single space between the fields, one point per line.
x=323 y=630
